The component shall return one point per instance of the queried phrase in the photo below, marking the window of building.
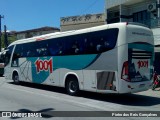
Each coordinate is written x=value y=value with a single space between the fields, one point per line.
x=142 y=17
x=113 y=17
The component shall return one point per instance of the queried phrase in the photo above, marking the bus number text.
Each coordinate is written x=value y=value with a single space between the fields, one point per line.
x=43 y=65
x=142 y=64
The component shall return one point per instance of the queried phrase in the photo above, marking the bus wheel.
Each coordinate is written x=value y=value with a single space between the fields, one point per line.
x=15 y=78
x=72 y=86
x=1 y=75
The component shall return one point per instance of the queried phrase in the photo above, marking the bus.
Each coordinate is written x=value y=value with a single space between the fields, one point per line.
x=2 y=54
x=111 y=58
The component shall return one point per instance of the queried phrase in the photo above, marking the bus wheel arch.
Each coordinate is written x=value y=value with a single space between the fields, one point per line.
x=15 y=77
x=72 y=84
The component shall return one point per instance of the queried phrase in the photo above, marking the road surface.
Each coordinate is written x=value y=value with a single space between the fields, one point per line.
x=52 y=102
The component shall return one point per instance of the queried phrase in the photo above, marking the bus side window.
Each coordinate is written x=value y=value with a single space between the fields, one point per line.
x=75 y=48
x=43 y=52
x=106 y=44
x=91 y=48
x=8 y=55
x=16 y=56
x=55 y=47
x=52 y=48
x=24 y=49
x=60 y=48
x=31 y=52
x=100 y=44
x=52 y=51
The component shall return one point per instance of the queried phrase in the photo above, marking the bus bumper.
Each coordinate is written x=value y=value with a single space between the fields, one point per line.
x=131 y=87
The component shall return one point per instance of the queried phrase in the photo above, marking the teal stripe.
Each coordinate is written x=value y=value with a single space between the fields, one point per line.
x=146 y=47
x=72 y=62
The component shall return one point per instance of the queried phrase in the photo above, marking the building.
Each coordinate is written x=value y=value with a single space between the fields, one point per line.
x=142 y=11
x=80 y=22
x=36 y=32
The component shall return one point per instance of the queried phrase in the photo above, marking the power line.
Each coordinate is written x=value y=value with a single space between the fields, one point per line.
x=90 y=6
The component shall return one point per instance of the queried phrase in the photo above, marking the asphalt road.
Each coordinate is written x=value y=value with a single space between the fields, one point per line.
x=49 y=100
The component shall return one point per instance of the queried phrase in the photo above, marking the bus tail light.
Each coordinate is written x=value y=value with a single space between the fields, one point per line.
x=125 y=72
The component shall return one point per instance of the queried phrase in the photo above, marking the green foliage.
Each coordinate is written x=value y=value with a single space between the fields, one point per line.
x=11 y=38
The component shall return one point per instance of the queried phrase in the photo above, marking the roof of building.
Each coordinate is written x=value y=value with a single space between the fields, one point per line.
x=46 y=28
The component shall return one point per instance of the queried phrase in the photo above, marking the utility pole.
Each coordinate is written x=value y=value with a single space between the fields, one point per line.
x=0 y=30
x=5 y=37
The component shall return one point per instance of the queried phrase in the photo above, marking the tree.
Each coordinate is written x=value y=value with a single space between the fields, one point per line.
x=11 y=38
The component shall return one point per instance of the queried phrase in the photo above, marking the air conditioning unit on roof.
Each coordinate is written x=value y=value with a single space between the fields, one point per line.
x=151 y=7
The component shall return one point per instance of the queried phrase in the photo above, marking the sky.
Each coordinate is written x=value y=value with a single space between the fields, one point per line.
x=22 y=15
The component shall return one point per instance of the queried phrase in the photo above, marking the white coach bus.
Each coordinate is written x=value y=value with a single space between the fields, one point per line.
x=113 y=58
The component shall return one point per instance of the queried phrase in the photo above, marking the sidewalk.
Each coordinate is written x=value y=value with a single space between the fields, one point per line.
x=150 y=92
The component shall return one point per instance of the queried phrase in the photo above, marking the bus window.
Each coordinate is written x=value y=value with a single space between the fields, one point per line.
x=55 y=47
x=16 y=55
x=8 y=55
x=75 y=47
x=91 y=48
x=104 y=40
x=41 y=48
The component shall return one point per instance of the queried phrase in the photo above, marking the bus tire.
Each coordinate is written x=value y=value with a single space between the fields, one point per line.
x=1 y=75
x=15 y=78
x=72 y=86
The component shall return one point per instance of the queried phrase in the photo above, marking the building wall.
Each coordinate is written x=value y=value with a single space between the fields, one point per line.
x=30 y=33
x=156 y=34
x=113 y=3
x=127 y=8
x=80 y=22
x=130 y=9
x=21 y=36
